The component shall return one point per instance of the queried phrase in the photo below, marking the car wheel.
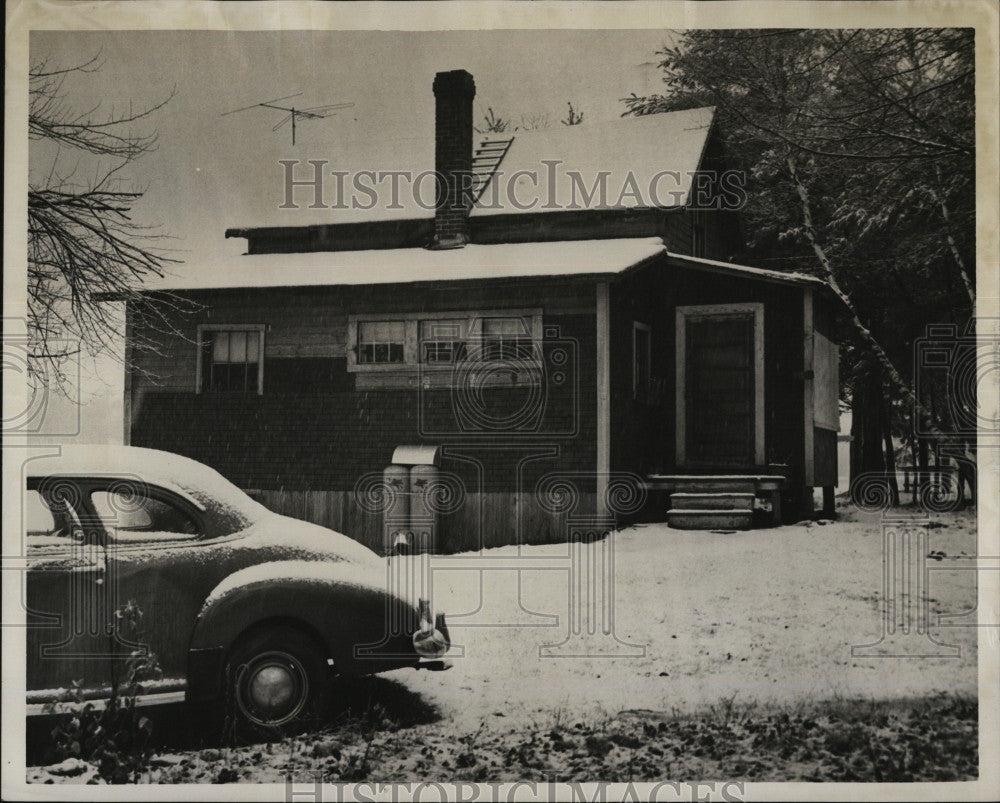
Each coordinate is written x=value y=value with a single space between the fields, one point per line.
x=279 y=680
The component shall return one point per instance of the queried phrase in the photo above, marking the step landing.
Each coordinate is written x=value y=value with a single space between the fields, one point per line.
x=710 y=519
x=712 y=501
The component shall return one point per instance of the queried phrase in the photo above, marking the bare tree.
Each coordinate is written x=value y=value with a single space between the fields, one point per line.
x=84 y=247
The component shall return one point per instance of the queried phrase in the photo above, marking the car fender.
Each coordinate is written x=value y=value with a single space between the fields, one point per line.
x=348 y=608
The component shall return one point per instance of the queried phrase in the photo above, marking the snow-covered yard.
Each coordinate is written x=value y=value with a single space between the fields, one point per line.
x=739 y=665
x=760 y=615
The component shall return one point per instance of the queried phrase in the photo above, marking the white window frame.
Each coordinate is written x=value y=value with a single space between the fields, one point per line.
x=471 y=320
x=260 y=328
x=367 y=366
x=683 y=313
x=638 y=326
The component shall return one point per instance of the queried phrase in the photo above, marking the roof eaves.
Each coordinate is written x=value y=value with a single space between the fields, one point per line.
x=704 y=147
x=734 y=269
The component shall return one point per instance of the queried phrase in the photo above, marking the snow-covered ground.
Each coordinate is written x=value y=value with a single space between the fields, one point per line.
x=766 y=615
x=716 y=625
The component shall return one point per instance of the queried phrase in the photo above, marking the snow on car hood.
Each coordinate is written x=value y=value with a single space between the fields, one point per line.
x=310 y=572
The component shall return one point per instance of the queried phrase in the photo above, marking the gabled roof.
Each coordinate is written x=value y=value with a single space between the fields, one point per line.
x=663 y=150
x=574 y=258
x=657 y=154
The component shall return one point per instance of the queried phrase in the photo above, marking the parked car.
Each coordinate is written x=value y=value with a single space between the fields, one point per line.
x=241 y=606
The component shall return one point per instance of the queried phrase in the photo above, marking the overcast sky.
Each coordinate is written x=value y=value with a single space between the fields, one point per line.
x=211 y=172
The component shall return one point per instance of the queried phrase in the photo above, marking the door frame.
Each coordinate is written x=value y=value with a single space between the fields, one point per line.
x=683 y=313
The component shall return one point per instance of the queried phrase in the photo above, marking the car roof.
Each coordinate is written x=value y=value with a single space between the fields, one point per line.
x=199 y=484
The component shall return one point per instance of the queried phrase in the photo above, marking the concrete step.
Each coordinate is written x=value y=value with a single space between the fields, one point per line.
x=712 y=485
x=710 y=519
x=711 y=501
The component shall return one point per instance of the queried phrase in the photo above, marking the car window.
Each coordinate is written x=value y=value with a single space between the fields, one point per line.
x=137 y=517
x=49 y=522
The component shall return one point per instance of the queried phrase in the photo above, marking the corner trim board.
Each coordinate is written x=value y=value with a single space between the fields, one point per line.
x=808 y=389
x=603 y=396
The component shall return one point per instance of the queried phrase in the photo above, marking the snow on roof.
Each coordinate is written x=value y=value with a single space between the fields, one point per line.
x=563 y=258
x=656 y=154
x=405 y=265
x=669 y=145
x=745 y=270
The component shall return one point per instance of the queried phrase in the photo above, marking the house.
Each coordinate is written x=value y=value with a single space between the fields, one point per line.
x=562 y=329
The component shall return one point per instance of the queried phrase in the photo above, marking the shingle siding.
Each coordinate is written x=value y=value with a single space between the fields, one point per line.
x=313 y=429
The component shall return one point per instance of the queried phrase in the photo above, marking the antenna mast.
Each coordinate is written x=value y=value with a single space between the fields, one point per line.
x=291 y=113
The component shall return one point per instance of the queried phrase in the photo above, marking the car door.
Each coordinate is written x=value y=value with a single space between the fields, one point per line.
x=159 y=563
x=68 y=608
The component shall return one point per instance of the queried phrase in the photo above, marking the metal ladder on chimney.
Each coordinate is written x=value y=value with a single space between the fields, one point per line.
x=486 y=160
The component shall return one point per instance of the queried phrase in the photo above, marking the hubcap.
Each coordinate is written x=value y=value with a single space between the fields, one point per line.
x=273 y=688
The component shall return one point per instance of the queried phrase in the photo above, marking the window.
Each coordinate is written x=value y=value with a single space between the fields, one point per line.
x=415 y=341
x=641 y=361
x=133 y=516
x=506 y=339
x=443 y=341
x=48 y=522
x=381 y=342
x=230 y=359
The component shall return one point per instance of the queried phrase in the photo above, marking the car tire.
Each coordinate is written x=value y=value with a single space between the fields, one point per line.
x=278 y=682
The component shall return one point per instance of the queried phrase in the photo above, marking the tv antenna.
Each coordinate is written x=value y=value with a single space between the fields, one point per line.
x=291 y=113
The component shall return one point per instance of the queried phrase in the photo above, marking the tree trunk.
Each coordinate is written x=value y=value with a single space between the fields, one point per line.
x=867 y=455
x=952 y=246
x=923 y=462
x=867 y=338
x=890 y=452
x=871 y=435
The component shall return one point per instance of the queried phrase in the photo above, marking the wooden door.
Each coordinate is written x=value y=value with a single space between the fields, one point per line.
x=720 y=390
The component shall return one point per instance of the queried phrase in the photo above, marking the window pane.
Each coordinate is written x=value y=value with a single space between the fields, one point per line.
x=141 y=518
x=220 y=376
x=253 y=346
x=238 y=347
x=441 y=330
x=507 y=339
x=505 y=326
x=220 y=347
x=381 y=331
x=38 y=518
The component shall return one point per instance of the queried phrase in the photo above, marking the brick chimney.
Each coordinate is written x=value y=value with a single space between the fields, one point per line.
x=453 y=94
